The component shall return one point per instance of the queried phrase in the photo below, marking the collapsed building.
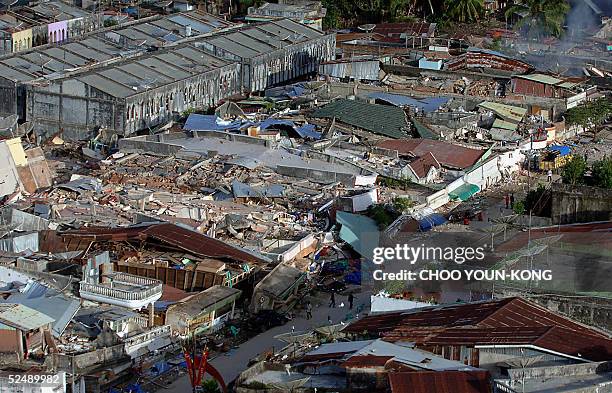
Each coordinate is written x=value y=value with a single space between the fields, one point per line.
x=148 y=90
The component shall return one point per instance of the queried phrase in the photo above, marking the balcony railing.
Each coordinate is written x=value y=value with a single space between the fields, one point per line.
x=122 y=294
x=125 y=289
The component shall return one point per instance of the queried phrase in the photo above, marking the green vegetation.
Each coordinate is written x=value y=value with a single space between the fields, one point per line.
x=402 y=204
x=464 y=10
x=210 y=386
x=540 y=17
x=574 y=170
x=110 y=22
x=519 y=207
x=394 y=183
x=590 y=115
x=346 y=13
x=382 y=215
x=602 y=173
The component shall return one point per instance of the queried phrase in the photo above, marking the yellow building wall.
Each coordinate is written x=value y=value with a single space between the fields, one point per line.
x=17 y=152
x=22 y=40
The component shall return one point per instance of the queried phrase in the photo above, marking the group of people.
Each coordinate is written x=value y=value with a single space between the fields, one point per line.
x=332 y=303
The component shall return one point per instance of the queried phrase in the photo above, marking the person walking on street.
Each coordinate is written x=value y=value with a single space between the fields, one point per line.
x=549 y=175
x=350 y=301
x=332 y=300
x=308 y=310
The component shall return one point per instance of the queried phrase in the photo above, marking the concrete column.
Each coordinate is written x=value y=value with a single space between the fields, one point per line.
x=20 y=349
x=151 y=314
x=233 y=308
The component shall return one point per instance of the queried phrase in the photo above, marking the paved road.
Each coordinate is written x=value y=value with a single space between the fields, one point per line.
x=231 y=364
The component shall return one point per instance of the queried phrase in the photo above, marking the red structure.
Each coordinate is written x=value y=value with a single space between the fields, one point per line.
x=198 y=366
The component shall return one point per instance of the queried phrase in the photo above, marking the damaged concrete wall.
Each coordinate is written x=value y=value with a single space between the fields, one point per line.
x=76 y=109
x=572 y=204
x=72 y=108
x=9 y=96
x=157 y=106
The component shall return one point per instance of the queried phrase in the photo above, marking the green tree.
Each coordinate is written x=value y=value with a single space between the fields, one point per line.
x=574 y=170
x=602 y=173
x=464 y=10
x=590 y=115
x=540 y=17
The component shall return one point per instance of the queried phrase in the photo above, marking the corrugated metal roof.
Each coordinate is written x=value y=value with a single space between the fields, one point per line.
x=429 y=104
x=440 y=382
x=384 y=120
x=359 y=231
x=23 y=318
x=505 y=125
x=513 y=321
x=542 y=78
x=206 y=301
x=507 y=112
x=172 y=235
x=447 y=154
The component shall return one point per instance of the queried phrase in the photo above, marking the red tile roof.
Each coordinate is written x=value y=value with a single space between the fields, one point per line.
x=440 y=382
x=507 y=321
x=447 y=154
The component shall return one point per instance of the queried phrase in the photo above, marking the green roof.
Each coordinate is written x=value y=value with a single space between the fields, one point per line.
x=464 y=191
x=359 y=231
x=423 y=131
x=383 y=120
x=542 y=78
x=507 y=112
x=506 y=125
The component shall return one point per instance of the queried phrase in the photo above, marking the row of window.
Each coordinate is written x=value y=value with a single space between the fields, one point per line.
x=202 y=93
x=27 y=43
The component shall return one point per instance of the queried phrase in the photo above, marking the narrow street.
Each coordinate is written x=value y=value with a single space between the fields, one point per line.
x=232 y=363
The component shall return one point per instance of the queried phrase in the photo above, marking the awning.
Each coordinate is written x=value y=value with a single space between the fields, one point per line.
x=430 y=221
x=464 y=192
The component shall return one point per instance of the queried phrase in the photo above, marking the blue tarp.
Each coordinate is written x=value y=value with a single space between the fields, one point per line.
x=426 y=104
x=286 y=92
x=563 y=150
x=353 y=278
x=430 y=221
x=305 y=131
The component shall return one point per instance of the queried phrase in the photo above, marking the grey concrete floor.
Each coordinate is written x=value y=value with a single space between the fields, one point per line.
x=232 y=363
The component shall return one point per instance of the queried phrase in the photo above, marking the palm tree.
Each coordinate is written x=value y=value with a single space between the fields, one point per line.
x=540 y=17
x=464 y=10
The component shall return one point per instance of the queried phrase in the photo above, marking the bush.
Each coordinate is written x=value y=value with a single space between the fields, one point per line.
x=402 y=204
x=210 y=386
x=602 y=173
x=381 y=215
x=519 y=207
